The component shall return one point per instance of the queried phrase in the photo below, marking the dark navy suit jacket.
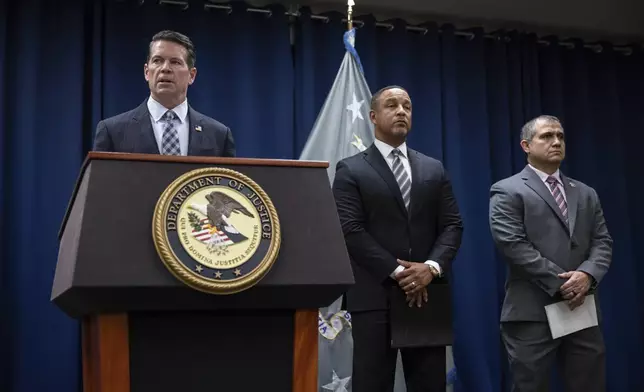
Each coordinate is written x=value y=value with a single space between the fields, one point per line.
x=132 y=132
x=378 y=229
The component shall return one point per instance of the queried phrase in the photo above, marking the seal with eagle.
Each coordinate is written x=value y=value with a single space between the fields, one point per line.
x=219 y=208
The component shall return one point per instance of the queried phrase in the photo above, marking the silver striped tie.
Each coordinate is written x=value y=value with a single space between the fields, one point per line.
x=401 y=177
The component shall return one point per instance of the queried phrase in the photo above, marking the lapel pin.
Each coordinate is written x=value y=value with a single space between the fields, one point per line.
x=198 y=128
x=572 y=184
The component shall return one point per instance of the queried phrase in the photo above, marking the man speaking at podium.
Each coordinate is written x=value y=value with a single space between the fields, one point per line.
x=402 y=228
x=165 y=123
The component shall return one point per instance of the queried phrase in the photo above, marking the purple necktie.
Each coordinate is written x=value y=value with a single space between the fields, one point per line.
x=559 y=198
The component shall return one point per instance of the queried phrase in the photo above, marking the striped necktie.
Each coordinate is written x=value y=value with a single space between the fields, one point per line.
x=401 y=177
x=559 y=198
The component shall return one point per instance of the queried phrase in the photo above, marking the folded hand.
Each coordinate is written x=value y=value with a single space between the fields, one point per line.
x=414 y=278
x=417 y=299
x=575 y=288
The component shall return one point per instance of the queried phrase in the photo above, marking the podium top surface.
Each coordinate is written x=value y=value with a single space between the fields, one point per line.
x=118 y=156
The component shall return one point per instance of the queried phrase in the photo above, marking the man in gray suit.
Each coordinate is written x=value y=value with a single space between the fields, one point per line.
x=552 y=232
x=165 y=123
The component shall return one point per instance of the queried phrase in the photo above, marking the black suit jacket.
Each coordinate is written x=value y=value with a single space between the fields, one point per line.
x=378 y=229
x=132 y=132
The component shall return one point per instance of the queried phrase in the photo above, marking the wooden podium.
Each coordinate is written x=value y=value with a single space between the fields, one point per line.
x=144 y=330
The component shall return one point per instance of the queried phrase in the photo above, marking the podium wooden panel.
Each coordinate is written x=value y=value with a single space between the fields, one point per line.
x=106 y=353
x=142 y=329
x=305 y=355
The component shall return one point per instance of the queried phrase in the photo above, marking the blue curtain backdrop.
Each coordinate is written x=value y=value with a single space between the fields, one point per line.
x=471 y=95
x=64 y=65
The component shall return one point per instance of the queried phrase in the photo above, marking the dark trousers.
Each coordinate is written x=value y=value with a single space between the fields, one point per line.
x=374 y=361
x=580 y=357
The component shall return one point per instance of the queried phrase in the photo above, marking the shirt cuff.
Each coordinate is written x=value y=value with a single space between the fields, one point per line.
x=434 y=264
x=593 y=281
x=396 y=271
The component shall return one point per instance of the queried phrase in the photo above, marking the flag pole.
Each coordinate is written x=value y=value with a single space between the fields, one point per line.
x=350 y=4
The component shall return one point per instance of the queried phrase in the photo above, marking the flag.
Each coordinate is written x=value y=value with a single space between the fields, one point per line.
x=341 y=129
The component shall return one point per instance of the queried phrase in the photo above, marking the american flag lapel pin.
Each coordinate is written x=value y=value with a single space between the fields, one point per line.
x=198 y=128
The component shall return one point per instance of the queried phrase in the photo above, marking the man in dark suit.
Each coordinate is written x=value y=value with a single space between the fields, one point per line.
x=402 y=229
x=165 y=123
x=552 y=232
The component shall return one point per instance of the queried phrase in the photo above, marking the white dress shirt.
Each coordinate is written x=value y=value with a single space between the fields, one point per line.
x=385 y=149
x=156 y=114
x=544 y=178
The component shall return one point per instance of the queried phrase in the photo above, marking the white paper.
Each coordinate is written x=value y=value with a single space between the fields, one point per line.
x=564 y=321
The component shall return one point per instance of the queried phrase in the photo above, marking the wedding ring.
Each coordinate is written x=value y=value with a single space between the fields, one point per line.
x=413 y=284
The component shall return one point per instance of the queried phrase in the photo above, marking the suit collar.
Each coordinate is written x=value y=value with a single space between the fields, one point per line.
x=572 y=198
x=416 y=199
x=385 y=149
x=198 y=138
x=544 y=176
x=374 y=157
x=142 y=121
x=157 y=110
x=141 y=112
x=533 y=181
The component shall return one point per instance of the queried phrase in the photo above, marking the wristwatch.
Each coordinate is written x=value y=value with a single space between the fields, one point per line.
x=434 y=271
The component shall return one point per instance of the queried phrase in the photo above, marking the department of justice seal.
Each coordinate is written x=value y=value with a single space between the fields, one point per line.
x=216 y=230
